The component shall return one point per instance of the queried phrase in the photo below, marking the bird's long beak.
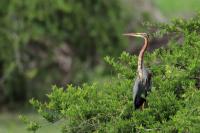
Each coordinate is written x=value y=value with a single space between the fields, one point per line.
x=134 y=34
x=129 y=34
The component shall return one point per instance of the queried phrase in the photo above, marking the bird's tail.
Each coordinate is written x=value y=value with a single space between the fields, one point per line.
x=139 y=101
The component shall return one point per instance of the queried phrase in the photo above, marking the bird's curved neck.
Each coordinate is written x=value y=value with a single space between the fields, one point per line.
x=141 y=56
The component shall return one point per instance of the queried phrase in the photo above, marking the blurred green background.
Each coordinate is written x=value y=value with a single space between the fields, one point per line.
x=49 y=42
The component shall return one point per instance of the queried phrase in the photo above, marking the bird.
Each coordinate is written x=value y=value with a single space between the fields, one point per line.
x=143 y=81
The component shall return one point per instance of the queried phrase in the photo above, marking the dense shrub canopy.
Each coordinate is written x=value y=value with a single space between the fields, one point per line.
x=173 y=104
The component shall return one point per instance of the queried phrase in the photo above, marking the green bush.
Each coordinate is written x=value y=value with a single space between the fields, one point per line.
x=173 y=104
x=32 y=32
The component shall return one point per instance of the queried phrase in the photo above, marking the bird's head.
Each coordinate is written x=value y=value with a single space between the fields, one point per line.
x=142 y=35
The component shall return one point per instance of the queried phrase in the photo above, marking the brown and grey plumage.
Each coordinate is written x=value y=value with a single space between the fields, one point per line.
x=142 y=83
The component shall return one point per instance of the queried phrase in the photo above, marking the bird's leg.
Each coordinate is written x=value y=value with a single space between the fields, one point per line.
x=143 y=106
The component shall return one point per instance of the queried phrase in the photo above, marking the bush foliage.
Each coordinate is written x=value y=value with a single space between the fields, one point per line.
x=173 y=104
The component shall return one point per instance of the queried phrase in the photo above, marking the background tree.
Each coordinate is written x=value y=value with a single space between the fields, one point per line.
x=40 y=41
